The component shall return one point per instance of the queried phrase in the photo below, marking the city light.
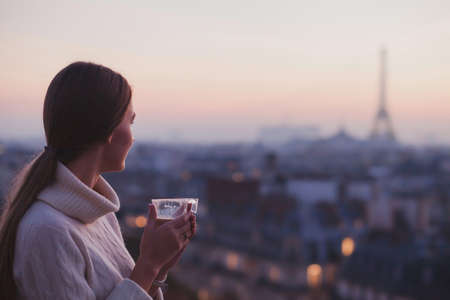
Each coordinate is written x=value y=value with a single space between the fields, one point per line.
x=186 y=175
x=238 y=177
x=232 y=261
x=314 y=275
x=274 y=273
x=347 y=246
x=141 y=221
x=203 y=294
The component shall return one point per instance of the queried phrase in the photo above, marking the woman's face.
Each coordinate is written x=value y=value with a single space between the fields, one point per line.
x=119 y=143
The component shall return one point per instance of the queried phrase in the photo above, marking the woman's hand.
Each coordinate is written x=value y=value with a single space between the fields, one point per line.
x=159 y=245
x=165 y=269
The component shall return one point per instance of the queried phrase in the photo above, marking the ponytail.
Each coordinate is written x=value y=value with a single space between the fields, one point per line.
x=34 y=177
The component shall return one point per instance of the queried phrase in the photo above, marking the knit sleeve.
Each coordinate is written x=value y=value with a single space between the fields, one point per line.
x=50 y=265
x=112 y=219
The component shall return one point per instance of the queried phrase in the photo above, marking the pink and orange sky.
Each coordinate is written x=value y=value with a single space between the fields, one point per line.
x=217 y=71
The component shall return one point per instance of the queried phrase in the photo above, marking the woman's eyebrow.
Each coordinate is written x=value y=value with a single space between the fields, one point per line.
x=134 y=116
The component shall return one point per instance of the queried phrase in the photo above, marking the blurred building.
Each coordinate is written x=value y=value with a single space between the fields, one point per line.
x=326 y=219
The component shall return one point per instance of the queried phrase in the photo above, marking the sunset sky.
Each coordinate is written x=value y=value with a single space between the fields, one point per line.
x=217 y=71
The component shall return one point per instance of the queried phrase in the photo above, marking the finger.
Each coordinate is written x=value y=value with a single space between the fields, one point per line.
x=194 y=226
x=185 y=242
x=151 y=215
x=177 y=257
x=180 y=210
x=181 y=220
x=193 y=221
x=182 y=237
x=182 y=250
x=190 y=234
x=184 y=229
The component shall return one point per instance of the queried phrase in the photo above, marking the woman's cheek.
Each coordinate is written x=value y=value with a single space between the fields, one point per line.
x=124 y=137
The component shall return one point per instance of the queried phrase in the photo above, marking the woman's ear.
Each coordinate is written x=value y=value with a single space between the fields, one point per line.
x=110 y=139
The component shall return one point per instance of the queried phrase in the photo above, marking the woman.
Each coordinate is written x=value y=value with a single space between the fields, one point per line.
x=59 y=236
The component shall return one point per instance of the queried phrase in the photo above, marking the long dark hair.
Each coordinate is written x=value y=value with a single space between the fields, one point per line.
x=83 y=105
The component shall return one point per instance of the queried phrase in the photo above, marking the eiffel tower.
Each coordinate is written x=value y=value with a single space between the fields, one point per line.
x=382 y=130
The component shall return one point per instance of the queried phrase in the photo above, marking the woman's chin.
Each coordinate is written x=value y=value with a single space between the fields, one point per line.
x=118 y=168
x=121 y=167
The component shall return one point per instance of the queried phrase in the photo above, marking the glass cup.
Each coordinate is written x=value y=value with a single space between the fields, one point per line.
x=171 y=208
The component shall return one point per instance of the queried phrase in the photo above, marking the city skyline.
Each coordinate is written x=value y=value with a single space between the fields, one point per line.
x=220 y=72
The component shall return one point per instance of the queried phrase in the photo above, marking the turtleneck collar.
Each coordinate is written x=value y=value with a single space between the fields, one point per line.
x=71 y=196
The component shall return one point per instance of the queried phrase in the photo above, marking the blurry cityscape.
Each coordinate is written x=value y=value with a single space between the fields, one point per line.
x=305 y=218
x=295 y=215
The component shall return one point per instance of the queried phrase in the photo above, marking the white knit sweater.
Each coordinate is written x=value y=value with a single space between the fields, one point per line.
x=69 y=245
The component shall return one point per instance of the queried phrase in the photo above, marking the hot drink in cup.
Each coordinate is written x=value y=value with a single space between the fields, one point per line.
x=171 y=208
